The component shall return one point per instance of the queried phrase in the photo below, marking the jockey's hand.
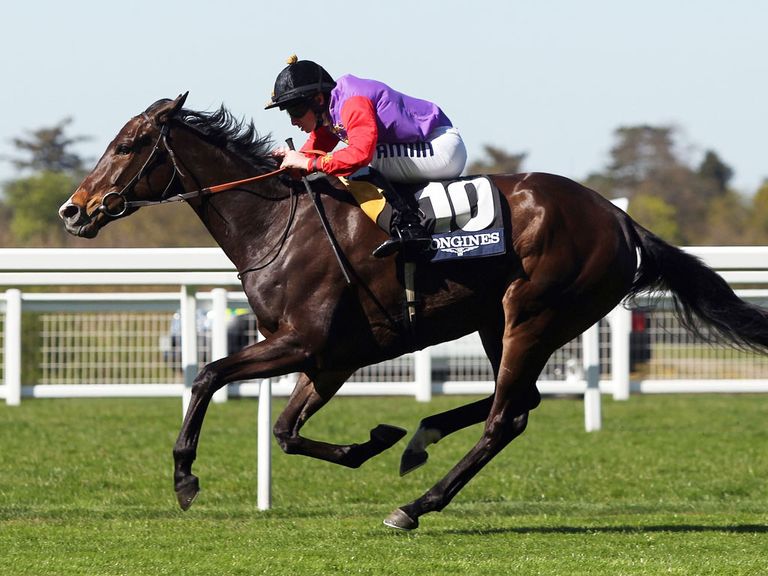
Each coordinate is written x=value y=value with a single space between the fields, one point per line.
x=293 y=159
x=280 y=151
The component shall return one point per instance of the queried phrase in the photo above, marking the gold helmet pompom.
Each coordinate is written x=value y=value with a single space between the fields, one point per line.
x=292 y=59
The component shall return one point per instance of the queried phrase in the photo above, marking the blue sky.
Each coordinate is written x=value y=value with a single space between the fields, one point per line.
x=548 y=77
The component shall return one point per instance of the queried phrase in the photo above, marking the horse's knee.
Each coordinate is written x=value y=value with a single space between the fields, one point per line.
x=205 y=382
x=286 y=439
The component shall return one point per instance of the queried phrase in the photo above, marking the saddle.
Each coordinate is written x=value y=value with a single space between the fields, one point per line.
x=462 y=215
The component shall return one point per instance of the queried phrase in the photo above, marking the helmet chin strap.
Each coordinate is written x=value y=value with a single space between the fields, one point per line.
x=319 y=110
x=319 y=120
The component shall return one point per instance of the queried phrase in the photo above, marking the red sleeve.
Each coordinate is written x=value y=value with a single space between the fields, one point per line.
x=359 y=119
x=320 y=139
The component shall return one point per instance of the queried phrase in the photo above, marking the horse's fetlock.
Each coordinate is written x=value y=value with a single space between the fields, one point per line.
x=424 y=437
x=352 y=456
x=434 y=501
x=186 y=454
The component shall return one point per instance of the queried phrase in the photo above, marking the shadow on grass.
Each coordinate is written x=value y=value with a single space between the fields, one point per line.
x=692 y=528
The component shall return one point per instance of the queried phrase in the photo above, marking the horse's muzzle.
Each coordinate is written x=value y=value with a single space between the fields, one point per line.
x=77 y=221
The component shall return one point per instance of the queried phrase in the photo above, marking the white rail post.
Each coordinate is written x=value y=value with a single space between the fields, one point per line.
x=620 y=320
x=12 y=349
x=264 y=446
x=422 y=369
x=188 y=312
x=591 y=359
x=219 y=334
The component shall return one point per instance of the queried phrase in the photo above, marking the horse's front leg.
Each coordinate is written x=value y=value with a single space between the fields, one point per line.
x=279 y=354
x=307 y=398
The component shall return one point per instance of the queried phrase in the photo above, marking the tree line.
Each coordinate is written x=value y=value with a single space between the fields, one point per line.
x=683 y=202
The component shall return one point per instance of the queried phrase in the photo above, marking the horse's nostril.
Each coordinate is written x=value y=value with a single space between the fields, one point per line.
x=69 y=212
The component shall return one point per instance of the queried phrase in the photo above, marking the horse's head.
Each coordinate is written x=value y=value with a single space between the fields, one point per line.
x=137 y=165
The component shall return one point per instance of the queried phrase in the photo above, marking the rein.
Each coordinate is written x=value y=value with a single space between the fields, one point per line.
x=124 y=204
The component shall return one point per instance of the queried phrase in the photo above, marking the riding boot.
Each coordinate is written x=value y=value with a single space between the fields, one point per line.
x=408 y=235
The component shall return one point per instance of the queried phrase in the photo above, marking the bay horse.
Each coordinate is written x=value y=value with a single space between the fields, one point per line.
x=572 y=257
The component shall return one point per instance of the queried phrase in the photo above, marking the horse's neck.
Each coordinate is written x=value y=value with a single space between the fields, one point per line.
x=247 y=226
x=242 y=221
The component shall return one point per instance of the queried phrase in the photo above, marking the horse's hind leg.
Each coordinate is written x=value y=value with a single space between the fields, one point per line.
x=434 y=428
x=438 y=426
x=523 y=358
x=307 y=398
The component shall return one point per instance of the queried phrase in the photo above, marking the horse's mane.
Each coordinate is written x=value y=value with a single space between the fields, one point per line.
x=224 y=130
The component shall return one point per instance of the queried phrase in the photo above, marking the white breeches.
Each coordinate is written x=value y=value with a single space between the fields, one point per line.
x=441 y=157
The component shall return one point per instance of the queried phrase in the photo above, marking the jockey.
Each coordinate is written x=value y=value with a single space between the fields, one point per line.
x=403 y=138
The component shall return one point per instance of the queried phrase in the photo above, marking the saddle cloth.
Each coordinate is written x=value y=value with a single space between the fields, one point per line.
x=463 y=215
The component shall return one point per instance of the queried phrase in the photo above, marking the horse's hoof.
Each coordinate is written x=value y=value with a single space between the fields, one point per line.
x=387 y=435
x=186 y=491
x=399 y=520
x=411 y=460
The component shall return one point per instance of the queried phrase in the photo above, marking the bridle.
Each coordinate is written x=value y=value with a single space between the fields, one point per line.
x=123 y=204
x=116 y=204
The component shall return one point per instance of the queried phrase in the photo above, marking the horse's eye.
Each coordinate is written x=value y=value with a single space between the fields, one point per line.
x=123 y=149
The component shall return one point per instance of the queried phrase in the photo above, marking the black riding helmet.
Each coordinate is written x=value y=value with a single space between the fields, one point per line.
x=299 y=81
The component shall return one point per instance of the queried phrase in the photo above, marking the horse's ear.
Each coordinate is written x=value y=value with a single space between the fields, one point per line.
x=179 y=102
x=170 y=108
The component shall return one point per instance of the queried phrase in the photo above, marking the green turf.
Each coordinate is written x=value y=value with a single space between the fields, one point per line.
x=672 y=485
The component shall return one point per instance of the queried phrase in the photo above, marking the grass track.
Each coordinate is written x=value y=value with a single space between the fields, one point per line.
x=672 y=485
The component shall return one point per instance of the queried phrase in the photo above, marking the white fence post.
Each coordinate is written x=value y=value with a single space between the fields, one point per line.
x=219 y=334
x=620 y=320
x=591 y=359
x=422 y=371
x=188 y=313
x=12 y=350
x=264 y=446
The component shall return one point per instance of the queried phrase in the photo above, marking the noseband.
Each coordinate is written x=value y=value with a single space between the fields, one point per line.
x=116 y=204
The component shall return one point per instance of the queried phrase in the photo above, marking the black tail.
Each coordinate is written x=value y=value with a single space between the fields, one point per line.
x=701 y=296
